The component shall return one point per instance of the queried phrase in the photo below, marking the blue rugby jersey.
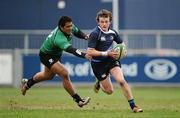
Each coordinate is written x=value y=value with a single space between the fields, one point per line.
x=103 y=41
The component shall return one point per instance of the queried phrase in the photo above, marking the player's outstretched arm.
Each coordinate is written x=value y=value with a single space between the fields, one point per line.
x=77 y=52
x=81 y=35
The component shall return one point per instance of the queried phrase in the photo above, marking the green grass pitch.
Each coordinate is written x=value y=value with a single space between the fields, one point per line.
x=54 y=102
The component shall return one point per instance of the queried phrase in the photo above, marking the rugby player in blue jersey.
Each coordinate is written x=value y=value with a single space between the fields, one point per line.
x=103 y=62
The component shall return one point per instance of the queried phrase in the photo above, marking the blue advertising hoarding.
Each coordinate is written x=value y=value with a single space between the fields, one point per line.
x=151 y=69
x=136 y=69
x=79 y=69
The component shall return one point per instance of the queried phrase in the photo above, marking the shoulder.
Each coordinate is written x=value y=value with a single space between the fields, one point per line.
x=60 y=34
x=95 y=32
x=111 y=31
x=60 y=38
x=114 y=31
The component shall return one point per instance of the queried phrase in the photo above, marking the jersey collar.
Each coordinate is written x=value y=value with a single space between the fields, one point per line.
x=109 y=30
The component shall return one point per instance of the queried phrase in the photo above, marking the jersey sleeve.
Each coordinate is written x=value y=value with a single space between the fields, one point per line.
x=78 y=33
x=93 y=39
x=117 y=38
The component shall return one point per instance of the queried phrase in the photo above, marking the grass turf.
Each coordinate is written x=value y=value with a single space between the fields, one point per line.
x=162 y=102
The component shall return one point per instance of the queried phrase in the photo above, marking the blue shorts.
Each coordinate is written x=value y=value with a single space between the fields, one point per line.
x=101 y=69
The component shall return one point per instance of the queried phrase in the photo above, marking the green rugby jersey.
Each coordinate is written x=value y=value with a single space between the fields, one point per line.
x=57 y=41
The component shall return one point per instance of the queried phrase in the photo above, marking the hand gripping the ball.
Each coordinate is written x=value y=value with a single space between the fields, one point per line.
x=113 y=54
x=121 y=50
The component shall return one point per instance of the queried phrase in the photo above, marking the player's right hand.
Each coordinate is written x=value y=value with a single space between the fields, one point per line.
x=113 y=54
x=87 y=56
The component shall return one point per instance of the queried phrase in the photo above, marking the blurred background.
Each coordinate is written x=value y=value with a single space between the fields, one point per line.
x=150 y=28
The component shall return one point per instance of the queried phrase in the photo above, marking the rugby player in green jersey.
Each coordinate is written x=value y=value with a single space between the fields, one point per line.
x=50 y=54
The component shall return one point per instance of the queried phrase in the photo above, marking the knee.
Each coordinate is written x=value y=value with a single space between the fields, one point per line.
x=122 y=83
x=65 y=75
x=48 y=77
x=109 y=91
x=42 y=76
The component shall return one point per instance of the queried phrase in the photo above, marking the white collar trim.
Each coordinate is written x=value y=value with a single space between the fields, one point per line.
x=109 y=31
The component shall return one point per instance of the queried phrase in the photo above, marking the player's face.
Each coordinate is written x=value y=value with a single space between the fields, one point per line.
x=67 y=28
x=104 y=23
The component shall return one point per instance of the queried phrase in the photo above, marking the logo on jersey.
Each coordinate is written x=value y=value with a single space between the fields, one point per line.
x=103 y=38
x=111 y=37
x=103 y=76
x=78 y=52
x=160 y=69
x=51 y=61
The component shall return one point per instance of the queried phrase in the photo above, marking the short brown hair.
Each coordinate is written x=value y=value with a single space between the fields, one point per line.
x=104 y=13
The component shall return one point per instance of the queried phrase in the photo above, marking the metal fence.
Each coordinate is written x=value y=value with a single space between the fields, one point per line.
x=145 y=42
x=139 y=42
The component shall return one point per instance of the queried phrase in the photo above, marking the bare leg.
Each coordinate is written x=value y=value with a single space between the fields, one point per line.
x=118 y=75
x=43 y=75
x=106 y=86
x=63 y=73
x=46 y=74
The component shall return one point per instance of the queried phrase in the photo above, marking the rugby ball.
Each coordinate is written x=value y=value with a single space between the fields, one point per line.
x=121 y=49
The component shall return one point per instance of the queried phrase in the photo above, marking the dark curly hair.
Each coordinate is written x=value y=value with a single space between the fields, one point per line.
x=63 y=20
